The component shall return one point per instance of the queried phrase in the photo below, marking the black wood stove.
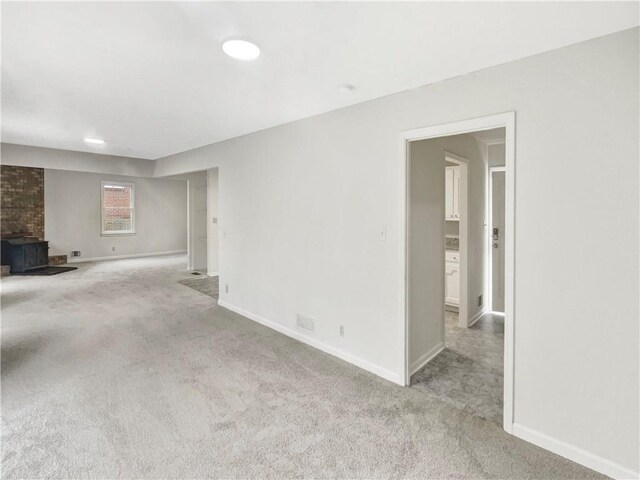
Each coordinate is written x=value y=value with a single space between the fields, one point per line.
x=25 y=253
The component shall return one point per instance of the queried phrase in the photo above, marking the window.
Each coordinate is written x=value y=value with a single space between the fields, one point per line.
x=118 y=208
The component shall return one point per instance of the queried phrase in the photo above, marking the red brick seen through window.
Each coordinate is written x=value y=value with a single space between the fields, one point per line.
x=117 y=206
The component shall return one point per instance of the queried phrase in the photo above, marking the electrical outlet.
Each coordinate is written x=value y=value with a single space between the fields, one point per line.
x=75 y=253
x=226 y=288
x=113 y=249
x=383 y=233
x=342 y=330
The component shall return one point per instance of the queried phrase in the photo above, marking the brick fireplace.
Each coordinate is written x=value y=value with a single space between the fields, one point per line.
x=22 y=219
x=22 y=201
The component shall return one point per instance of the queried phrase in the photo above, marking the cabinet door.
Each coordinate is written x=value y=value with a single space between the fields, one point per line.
x=452 y=283
x=456 y=193
x=449 y=180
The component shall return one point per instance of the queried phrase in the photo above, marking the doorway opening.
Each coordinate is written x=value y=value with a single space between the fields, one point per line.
x=456 y=348
x=202 y=223
x=202 y=231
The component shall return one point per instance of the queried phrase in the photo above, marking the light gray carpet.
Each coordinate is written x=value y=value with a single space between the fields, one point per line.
x=115 y=371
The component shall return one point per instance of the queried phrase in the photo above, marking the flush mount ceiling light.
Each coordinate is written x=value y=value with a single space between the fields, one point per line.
x=241 y=49
x=94 y=141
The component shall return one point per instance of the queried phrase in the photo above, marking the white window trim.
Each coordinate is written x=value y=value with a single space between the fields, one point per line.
x=133 y=210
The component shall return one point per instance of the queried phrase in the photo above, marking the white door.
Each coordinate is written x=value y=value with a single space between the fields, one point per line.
x=452 y=193
x=497 y=241
x=449 y=192
x=456 y=193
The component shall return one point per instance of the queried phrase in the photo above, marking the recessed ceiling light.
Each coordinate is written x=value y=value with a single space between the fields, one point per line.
x=241 y=49
x=94 y=141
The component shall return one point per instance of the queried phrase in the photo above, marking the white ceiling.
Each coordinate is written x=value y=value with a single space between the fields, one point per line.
x=151 y=79
x=491 y=137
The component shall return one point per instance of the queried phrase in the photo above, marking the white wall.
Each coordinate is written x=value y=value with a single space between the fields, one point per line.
x=452 y=228
x=496 y=155
x=302 y=205
x=38 y=157
x=476 y=242
x=212 y=221
x=426 y=253
x=426 y=295
x=73 y=215
x=197 y=227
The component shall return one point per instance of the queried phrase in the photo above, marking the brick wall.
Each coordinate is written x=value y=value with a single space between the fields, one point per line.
x=22 y=200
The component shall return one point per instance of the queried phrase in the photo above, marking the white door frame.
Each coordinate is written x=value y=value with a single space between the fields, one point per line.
x=508 y=121
x=490 y=171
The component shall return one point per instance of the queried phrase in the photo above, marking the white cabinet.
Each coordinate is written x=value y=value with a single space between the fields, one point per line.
x=452 y=278
x=452 y=193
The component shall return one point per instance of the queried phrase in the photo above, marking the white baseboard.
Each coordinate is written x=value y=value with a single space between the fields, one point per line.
x=589 y=460
x=119 y=257
x=426 y=358
x=212 y=274
x=478 y=315
x=347 y=357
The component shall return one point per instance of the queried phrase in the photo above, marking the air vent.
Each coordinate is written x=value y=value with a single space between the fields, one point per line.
x=306 y=323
